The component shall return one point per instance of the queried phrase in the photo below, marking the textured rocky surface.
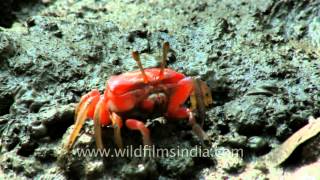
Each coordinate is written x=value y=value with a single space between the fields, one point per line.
x=260 y=59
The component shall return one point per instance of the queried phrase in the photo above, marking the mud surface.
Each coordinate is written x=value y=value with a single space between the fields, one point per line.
x=260 y=59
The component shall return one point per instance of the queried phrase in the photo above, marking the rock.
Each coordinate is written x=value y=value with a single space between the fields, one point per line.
x=234 y=140
x=6 y=46
x=94 y=169
x=135 y=170
x=84 y=140
x=27 y=147
x=177 y=166
x=229 y=161
x=38 y=130
x=45 y=154
x=260 y=59
x=257 y=143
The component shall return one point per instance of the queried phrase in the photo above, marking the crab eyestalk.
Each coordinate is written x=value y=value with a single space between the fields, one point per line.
x=165 y=51
x=136 y=57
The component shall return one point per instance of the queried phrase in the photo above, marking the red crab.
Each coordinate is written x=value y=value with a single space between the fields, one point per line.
x=141 y=90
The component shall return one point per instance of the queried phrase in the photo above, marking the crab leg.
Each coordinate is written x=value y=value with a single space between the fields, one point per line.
x=101 y=117
x=196 y=128
x=85 y=109
x=200 y=98
x=117 y=124
x=178 y=97
x=83 y=99
x=134 y=124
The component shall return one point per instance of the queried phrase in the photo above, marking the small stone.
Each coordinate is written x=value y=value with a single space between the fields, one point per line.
x=229 y=161
x=140 y=170
x=256 y=143
x=6 y=46
x=84 y=140
x=46 y=1
x=235 y=140
x=94 y=169
x=38 y=130
x=45 y=154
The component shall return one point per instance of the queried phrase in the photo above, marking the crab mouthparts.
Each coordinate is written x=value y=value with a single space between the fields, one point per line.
x=160 y=99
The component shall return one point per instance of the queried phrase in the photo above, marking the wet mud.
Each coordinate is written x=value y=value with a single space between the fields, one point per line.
x=260 y=60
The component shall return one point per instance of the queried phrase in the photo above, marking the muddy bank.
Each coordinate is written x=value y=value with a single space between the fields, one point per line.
x=260 y=59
